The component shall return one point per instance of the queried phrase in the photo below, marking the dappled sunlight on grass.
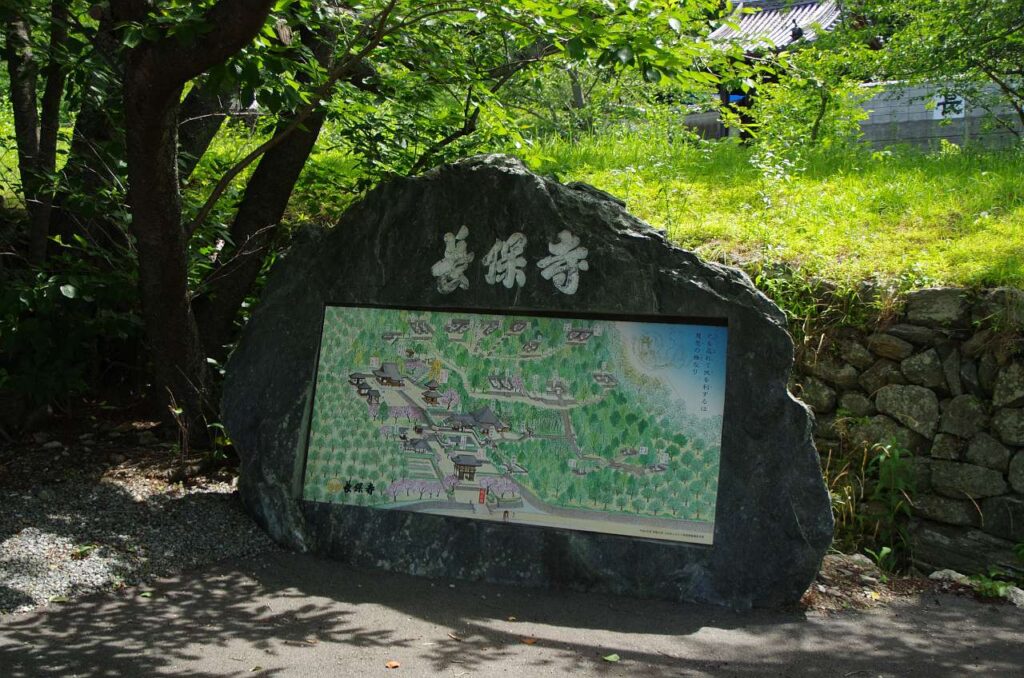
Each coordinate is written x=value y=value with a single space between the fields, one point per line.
x=953 y=218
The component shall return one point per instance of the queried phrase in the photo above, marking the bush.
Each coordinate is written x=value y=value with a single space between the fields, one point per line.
x=55 y=324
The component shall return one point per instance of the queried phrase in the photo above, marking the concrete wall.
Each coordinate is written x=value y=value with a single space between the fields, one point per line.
x=917 y=115
x=921 y=116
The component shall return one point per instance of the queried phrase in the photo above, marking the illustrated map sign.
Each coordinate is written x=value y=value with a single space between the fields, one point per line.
x=597 y=423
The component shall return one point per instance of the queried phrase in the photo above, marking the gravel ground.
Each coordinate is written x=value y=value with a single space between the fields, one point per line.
x=96 y=511
x=110 y=523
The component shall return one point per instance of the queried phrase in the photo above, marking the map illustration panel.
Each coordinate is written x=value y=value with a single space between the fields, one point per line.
x=601 y=425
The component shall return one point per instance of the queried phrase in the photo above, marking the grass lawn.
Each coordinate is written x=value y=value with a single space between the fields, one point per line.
x=951 y=217
x=848 y=215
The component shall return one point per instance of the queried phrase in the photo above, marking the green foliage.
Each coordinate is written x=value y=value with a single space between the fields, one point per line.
x=871 y=492
x=894 y=484
x=995 y=583
x=55 y=325
x=813 y=104
x=884 y=557
x=811 y=304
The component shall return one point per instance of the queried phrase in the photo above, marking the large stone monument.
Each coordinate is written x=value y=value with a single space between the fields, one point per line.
x=482 y=373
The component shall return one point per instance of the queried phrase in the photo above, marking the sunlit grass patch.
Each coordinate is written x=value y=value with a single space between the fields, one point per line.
x=955 y=218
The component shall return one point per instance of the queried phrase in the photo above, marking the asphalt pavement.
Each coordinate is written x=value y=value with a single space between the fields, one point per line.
x=297 y=615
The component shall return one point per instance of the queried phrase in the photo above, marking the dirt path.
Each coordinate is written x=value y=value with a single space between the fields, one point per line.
x=293 y=615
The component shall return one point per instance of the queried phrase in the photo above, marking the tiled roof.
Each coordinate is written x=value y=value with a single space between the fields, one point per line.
x=772 y=26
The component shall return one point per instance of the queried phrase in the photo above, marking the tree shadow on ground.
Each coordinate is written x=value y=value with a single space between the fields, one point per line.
x=121 y=533
x=293 y=613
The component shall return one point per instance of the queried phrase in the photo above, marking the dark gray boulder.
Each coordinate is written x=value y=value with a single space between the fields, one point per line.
x=773 y=520
x=916 y=407
x=1009 y=426
x=970 y=551
x=938 y=307
x=818 y=395
x=1009 y=390
x=964 y=416
x=957 y=480
x=984 y=450
x=924 y=369
x=1004 y=517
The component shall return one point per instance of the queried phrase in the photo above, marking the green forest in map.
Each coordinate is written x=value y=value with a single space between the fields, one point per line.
x=598 y=425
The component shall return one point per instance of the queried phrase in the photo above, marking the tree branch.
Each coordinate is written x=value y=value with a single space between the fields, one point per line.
x=173 y=61
x=345 y=67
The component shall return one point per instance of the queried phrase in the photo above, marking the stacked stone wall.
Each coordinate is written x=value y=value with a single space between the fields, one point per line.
x=945 y=382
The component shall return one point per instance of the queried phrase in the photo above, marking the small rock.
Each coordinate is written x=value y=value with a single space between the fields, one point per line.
x=921 y=472
x=53 y=445
x=855 y=354
x=1014 y=595
x=924 y=369
x=867 y=579
x=861 y=560
x=1003 y=306
x=40 y=437
x=1016 y=472
x=951 y=368
x=46 y=494
x=856 y=404
x=828 y=369
x=818 y=395
x=964 y=416
x=976 y=345
x=915 y=407
x=882 y=373
x=956 y=480
x=1004 y=517
x=882 y=429
x=988 y=370
x=945 y=510
x=949 y=575
x=915 y=334
x=1009 y=426
x=114 y=434
x=888 y=346
x=118 y=458
x=825 y=427
x=947 y=447
x=938 y=307
x=1009 y=387
x=969 y=378
x=984 y=450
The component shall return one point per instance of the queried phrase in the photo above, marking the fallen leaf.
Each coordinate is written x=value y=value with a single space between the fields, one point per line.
x=146 y=594
x=611 y=657
x=59 y=599
x=391 y=664
x=454 y=637
x=255 y=669
x=528 y=641
x=512 y=619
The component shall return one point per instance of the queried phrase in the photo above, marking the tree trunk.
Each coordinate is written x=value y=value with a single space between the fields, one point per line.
x=49 y=126
x=155 y=76
x=92 y=179
x=23 y=71
x=259 y=214
x=179 y=363
x=253 y=232
x=202 y=113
